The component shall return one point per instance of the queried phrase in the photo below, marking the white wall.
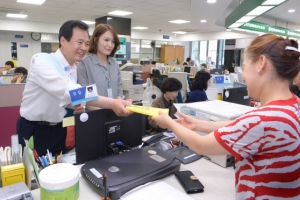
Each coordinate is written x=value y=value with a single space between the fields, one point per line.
x=242 y=43
x=24 y=54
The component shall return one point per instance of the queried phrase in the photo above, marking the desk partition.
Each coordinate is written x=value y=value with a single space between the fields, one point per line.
x=10 y=101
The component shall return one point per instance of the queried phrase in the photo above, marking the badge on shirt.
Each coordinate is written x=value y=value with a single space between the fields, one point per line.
x=83 y=94
x=109 y=93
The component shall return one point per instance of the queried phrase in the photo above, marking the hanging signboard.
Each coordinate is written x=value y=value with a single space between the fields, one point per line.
x=265 y=28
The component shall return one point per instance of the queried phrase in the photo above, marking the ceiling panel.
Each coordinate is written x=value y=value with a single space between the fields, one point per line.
x=154 y=14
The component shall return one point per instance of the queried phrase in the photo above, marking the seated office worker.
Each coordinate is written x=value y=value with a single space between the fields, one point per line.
x=169 y=89
x=100 y=67
x=9 y=67
x=205 y=68
x=199 y=86
x=46 y=92
x=20 y=75
x=265 y=142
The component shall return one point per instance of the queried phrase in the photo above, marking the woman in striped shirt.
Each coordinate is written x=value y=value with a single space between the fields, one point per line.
x=265 y=142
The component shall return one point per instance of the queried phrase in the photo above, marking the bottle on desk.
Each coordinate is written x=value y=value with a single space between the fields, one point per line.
x=219 y=97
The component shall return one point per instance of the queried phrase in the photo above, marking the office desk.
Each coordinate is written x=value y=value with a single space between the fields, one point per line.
x=218 y=182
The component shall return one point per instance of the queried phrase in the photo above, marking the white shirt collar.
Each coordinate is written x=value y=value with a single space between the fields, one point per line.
x=72 y=70
x=60 y=57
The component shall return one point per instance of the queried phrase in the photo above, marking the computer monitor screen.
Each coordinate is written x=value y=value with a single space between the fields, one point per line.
x=237 y=95
x=93 y=136
x=187 y=69
x=216 y=71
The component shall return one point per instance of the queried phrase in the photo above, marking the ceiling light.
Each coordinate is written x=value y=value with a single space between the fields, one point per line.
x=260 y=10
x=179 y=21
x=203 y=21
x=139 y=27
x=246 y=19
x=235 y=25
x=211 y=1
x=89 y=22
x=16 y=15
x=179 y=32
x=120 y=13
x=273 y=2
x=37 y=2
x=109 y=18
x=291 y=11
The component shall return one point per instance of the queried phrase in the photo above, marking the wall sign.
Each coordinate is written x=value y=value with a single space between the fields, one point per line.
x=19 y=36
x=166 y=37
x=265 y=28
x=24 y=45
x=121 y=53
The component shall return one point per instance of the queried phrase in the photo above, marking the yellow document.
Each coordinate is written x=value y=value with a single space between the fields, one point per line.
x=68 y=121
x=145 y=110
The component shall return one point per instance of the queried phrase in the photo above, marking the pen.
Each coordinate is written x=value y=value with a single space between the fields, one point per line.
x=49 y=157
x=45 y=161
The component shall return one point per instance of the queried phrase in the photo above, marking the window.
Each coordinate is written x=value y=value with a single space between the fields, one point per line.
x=203 y=51
x=212 y=52
x=195 y=50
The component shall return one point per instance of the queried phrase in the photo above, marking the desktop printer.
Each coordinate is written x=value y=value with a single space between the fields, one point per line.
x=129 y=170
x=132 y=86
x=216 y=111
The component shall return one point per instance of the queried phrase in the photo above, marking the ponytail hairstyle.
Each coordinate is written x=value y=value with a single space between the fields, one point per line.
x=283 y=54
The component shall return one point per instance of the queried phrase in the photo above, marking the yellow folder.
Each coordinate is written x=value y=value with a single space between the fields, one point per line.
x=145 y=110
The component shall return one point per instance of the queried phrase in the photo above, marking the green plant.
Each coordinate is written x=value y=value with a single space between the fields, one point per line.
x=177 y=61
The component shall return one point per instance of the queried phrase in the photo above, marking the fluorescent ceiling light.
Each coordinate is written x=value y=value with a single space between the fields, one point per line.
x=37 y=2
x=120 y=13
x=291 y=11
x=235 y=25
x=260 y=10
x=211 y=1
x=140 y=27
x=246 y=19
x=16 y=15
x=179 y=21
x=89 y=22
x=203 y=21
x=273 y=2
x=109 y=18
x=179 y=32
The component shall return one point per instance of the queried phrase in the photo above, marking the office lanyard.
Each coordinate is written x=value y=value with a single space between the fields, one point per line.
x=106 y=77
x=70 y=76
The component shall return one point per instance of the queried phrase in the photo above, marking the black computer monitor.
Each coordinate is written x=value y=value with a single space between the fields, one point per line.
x=216 y=71
x=187 y=69
x=93 y=136
x=237 y=95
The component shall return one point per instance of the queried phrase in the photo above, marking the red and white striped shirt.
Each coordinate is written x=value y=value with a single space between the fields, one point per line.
x=266 y=146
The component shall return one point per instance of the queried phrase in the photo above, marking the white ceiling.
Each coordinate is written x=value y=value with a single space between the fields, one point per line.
x=154 y=14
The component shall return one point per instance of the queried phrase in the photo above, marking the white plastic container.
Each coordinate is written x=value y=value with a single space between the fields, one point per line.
x=59 y=181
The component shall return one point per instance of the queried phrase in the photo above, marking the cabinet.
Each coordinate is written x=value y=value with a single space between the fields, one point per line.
x=169 y=53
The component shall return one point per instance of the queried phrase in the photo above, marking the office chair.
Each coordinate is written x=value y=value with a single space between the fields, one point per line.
x=189 y=82
x=157 y=78
x=179 y=97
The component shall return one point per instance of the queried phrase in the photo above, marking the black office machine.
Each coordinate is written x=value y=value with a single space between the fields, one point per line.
x=128 y=170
